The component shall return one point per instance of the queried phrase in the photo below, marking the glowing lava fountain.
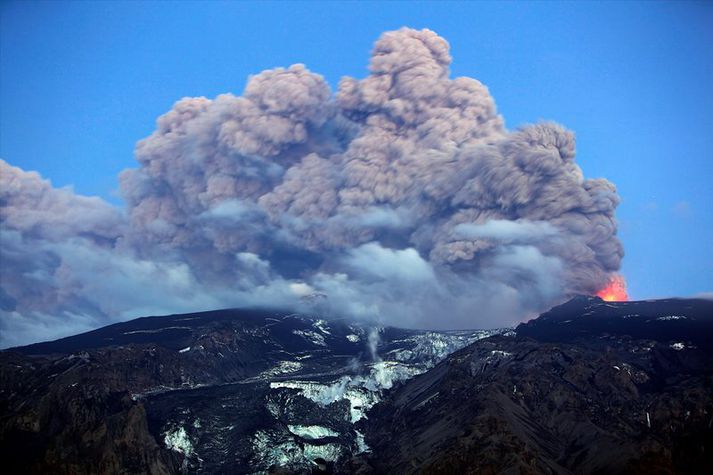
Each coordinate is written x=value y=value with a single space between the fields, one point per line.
x=615 y=291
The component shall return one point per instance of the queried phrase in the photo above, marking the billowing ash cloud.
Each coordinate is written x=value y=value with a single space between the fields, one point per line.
x=400 y=197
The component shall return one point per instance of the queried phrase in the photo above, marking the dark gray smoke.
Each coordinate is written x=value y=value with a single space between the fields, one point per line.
x=401 y=197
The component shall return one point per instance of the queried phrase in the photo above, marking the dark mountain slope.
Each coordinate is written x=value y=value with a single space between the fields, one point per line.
x=229 y=391
x=589 y=387
x=585 y=318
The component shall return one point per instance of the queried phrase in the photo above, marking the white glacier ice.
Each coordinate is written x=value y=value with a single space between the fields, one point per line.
x=178 y=440
x=312 y=432
x=361 y=443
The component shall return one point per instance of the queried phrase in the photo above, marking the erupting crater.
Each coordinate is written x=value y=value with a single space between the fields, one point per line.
x=615 y=290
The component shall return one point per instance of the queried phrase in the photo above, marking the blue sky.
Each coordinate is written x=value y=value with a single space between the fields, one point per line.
x=80 y=83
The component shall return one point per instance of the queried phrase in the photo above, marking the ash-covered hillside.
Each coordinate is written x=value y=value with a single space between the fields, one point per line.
x=588 y=387
x=233 y=391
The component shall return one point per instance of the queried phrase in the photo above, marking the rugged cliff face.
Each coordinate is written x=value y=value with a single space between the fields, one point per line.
x=60 y=415
x=589 y=387
x=216 y=392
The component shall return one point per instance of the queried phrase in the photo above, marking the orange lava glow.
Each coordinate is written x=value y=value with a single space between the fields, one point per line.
x=615 y=291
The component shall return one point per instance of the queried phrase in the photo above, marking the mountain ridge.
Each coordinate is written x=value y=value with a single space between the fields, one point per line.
x=132 y=369
x=568 y=392
x=585 y=387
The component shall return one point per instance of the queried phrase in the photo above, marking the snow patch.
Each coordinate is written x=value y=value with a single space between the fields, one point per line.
x=362 y=447
x=272 y=449
x=157 y=330
x=329 y=452
x=283 y=367
x=279 y=449
x=426 y=401
x=432 y=348
x=322 y=326
x=84 y=356
x=360 y=401
x=184 y=350
x=178 y=440
x=362 y=391
x=312 y=432
x=313 y=337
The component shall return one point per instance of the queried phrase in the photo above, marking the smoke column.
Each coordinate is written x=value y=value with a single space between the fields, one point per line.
x=400 y=197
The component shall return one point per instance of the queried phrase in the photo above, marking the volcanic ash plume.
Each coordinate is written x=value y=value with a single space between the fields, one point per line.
x=400 y=197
